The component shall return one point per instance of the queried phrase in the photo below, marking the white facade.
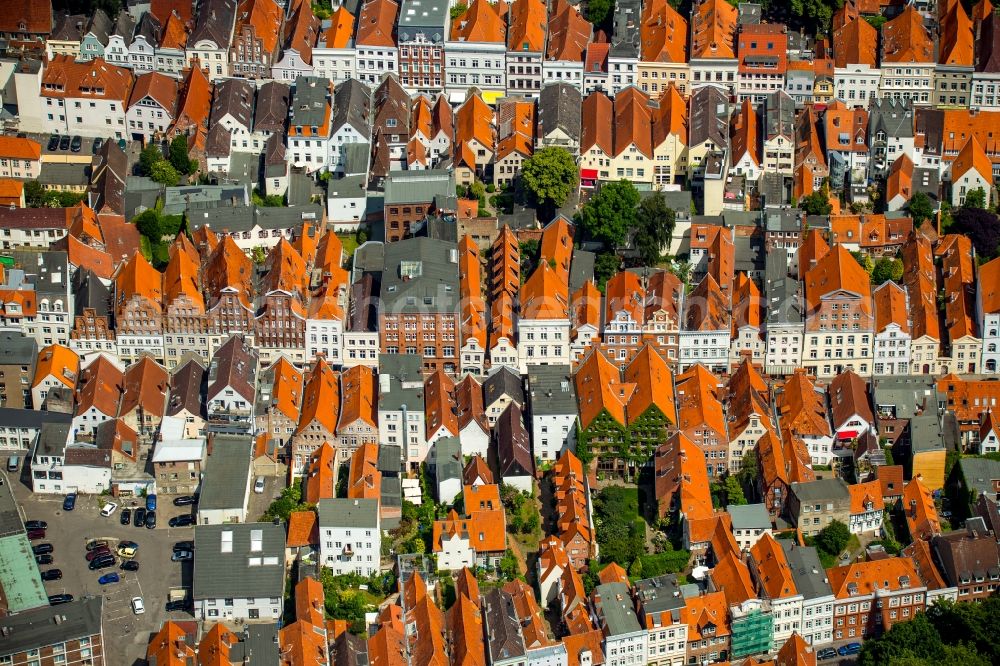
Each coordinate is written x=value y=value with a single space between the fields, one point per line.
x=374 y=62
x=667 y=646
x=290 y=66
x=990 y=329
x=478 y=64
x=718 y=72
x=627 y=649
x=361 y=348
x=87 y=422
x=622 y=73
x=84 y=116
x=236 y=609
x=817 y=620
x=563 y=71
x=908 y=80
x=456 y=552
x=542 y=342
x=784 y=346
x=350 y=547
x=891 y=352
x=985 y=91
x=868 y=520
x=213 y=59
x=412 y=442
x=856 y=85
x=475 y=440
x=324 y=336
x=710 y=348
x=142 y=55
x=338 y=65
x=130 y=347
x=553 y=434
x=147 y=118
x=117 y=51
x=820 y=448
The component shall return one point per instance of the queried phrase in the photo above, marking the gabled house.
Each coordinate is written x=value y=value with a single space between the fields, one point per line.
x=232 y=387
x=254 y=39
x=212 y=36
x=318 y=416
x=144 y=400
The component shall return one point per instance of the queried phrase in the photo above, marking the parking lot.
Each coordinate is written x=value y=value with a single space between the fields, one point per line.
x=126 y=634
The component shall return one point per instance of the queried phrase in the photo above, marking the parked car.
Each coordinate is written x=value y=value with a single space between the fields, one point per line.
x=150 y=520
x=128 y=544
x=180 y=605
x=34 y=535
x=139 y=517
x=258 y=485
x=184 y=545
x=43 y=559
x=99 y=552
x=42 y=549
x=127 y=553
x=850 y=648
x=35 y=524
x=70 y=502
x=826 y=653
x=98 y=144
x=53 y=142
x=137 y=606
x=126 y=516
x=130 y=565
x=102 y=563
x=150 y=502
x=13 y=463
x=122 y=143
x=52 y=574
x=184 y=520
x=64 y=142
x=181 y=556
x=57 y=599
x=108 y=509
x=108 y=578
x=185 y=500
x=94 y=545
x=76 y=144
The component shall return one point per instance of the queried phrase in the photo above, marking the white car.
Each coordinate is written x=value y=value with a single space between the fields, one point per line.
x=258 y=485
x=137 y=606
x=108 y=509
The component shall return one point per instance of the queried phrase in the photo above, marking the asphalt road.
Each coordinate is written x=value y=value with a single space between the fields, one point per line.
x=126 y=634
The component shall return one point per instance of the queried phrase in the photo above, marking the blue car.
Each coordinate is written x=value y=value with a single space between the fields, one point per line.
x=107 y=578
x=70 y=502
x=850 y=648
x=150 y=502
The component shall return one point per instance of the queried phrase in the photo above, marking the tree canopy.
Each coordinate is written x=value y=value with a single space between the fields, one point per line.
x=549 y=176
x=975 y=198
x=981 y=226
x=179 y=158
x=887 y=268
x=817 y=203
x=599 y=12
x=610 y=213
x=654 y=226
x=920 y=207
x=164 y=172
x=833 y=538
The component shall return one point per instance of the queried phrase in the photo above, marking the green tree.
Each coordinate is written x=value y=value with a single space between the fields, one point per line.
x=599 y=12
x=975 y=198
x=887 y=268
x=833 y=538
x=654 y=227
x=610 y=213
x=734 y=492
x=458 y=10
x=164 y=172
x=550 y=177
x=258 y=254
x=920 y=207
x=817 y=203
x=179 y=158
x=34 y=194
x=864 y=261
x=289 y=501
x=150 y=224
x=605 y=266
x=149 y=156
x=749 y=469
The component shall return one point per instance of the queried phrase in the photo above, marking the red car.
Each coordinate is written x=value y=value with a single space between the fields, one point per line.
x=97 y=552
x=34 y=535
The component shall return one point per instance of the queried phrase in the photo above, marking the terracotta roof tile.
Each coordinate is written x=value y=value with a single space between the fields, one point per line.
x=900 y=179
x=653 y=382
x=180 y=283
x=597 y=388
x=890 y=307
x=585 y=308
x=848 y=398
x=320 y=475
x=569 y=33
x=465 y=626
x=584 y=644
x=303 y=529
x=439 y=404
x=474 y=122
x=855 y=44
x=663 y=32
x=18 y=148
x=357 y=391
x=527 y=26
x=920 y=511
x=835 y=271
x=698 y=404
x=744 y=133
x=633 y=122
x=773 y=571
x=138 y=278
x=376 y=23
x=886 y=575
x=480 y=22
x=96 y=79
x=956 y=42
x=972 y=157
x=341 y=30
x=713 y=28
x=516 y=127
x=59 y=362
x=989 y=286
x=597 y=128
x=704 y=611
x=801 y=409
x=544 y=295
x=864 y=495
x=904 y=39
x=171 y=646
x=364 y=480
x=732 y=576
x=321 y=398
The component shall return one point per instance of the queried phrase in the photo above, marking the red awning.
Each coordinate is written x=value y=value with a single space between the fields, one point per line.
x=589 y=174
x=847 y=434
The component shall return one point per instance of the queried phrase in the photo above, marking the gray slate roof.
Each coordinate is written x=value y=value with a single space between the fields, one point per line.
x=308 y=107
x=559 y=109
x=807 y=571
x=17 y=349
x=821 y=489
x=352 y=102
x=39 y=628
x=613 y=604
x=345 y=512
x=502 y=382
x=420 y=275
x=227 y=473
x=229 y=575
x=214 y=22
x=552 y=390
x=749 y=516
x=709 y=117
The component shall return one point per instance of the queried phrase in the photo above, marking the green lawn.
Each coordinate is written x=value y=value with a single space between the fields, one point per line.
x=350 y=243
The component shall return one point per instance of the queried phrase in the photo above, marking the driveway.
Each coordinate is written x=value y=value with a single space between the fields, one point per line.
x=126 y=634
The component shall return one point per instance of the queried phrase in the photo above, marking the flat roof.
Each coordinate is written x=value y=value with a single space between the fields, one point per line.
x=42 y=627
x=227 y=473
x=345 y=512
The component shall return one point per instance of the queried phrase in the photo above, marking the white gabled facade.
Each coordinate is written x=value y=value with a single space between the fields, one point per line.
x=542 y=342
x=856 y=85
x=350 y=536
